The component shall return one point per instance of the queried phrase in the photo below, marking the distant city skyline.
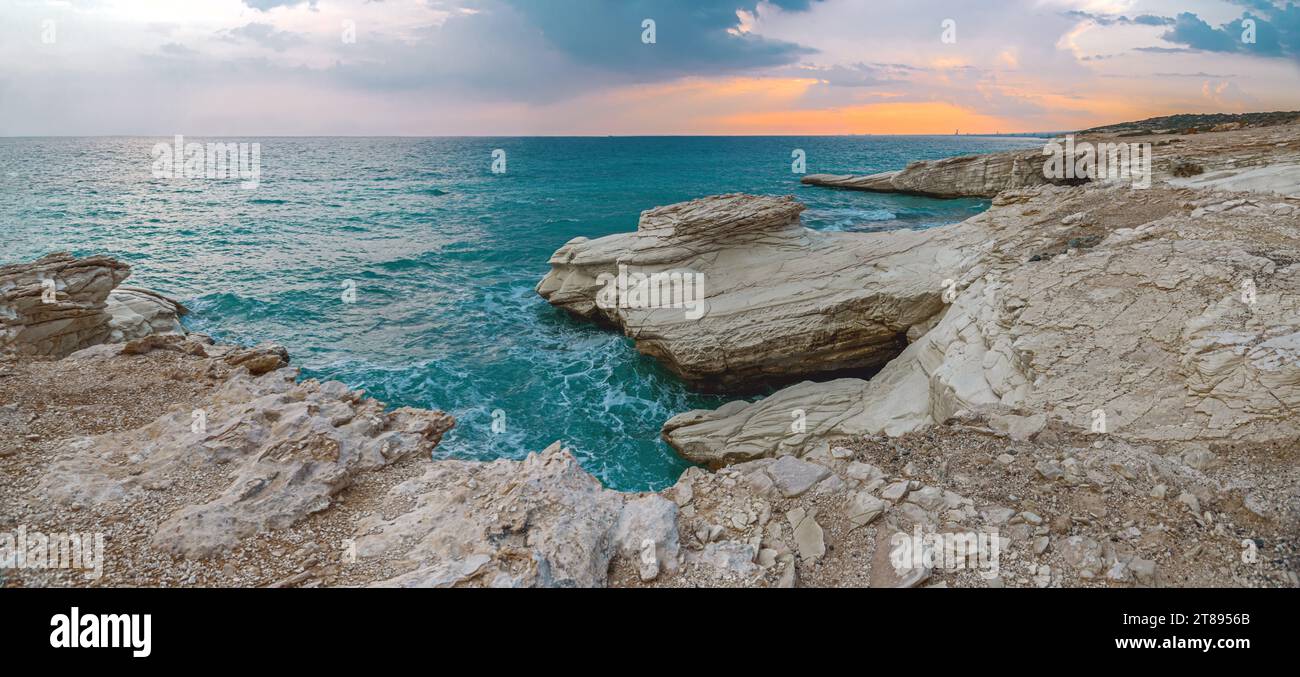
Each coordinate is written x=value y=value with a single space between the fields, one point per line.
x=592 y=67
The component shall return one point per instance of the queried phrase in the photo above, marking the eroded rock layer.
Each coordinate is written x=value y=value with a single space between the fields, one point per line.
x=1164 y=314
x=780 y=301
x=60 y=304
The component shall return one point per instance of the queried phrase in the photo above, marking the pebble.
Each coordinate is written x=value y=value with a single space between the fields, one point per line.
x=1049 y=470
x=808 y=535
x=894 y=492
x=998 y=516
x=793 y=476
x=1255 y=505
x=930 y=498
x=1143 y=569
x=1199 y=459
x=863 y=509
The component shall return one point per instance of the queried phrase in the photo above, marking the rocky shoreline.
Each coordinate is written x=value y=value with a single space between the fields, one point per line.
x=996 y=342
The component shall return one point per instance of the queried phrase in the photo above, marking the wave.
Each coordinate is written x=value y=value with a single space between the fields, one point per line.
x=845 y=219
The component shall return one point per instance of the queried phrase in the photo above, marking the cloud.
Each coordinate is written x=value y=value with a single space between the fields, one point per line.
x=1194 y=32
x=1165 y=50
x=176 y=49
x=1105 y=20
x=692 y=36
x=268 y=5
x=1276 y=31
x=264 y=35
x=855 y=75
x=1226 y=94
x=534 y=52
x=1195 y=75
x=579 y=66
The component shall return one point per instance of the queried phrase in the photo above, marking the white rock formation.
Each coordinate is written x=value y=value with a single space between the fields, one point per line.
x=540 y=522
x=56 y=305
x=279 y=450
x=136 y=312
x=1175 y=320
x=966 y=176
x=781 y=301
x=60 y=304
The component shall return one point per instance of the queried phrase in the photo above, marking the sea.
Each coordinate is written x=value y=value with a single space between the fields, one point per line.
x=406 y=267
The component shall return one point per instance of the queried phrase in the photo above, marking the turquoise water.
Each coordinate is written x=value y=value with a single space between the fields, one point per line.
x=444 y=256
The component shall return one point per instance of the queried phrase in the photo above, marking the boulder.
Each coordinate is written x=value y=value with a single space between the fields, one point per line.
x=135 y=312
x=60 y=304
x=57 y=304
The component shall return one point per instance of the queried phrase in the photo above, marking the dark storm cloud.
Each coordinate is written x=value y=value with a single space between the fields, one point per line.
x=1277 y=31
x=692 y=36
x=526 y=50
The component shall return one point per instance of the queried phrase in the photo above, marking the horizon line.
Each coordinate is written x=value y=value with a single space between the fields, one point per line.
x=508 y=136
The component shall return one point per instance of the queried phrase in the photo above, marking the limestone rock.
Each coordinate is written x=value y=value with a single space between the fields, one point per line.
x=647 y=533
x=808 y=535
x=863 y=509
x=893 y=565
x=895 y=491
x=260 y=359
x=1084 y=554
x=57 y=304
x=730 y=558
x=540 y=522
x=1260 y=159
x=780 y=301
x=967 y=176
x=793 y=477
x=135 y=312
x=1144 y=333
x=766 y=427
x=60 y=304
x=282 y=451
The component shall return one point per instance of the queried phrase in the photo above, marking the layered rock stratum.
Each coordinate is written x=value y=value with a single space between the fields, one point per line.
x=1170 y=312
x=1239 y=156
x=310 y=484
x=780 y=301
x=967 y=176
x=60 y=304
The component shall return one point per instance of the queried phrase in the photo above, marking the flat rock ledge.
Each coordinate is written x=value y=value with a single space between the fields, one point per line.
x=215 y=465
x=302 y=484
x=1158 y=315
x=1263 y=159
x=968 y=176
x=780 y=302
x=1164 y=314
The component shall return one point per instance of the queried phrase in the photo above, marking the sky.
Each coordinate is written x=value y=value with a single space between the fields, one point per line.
x=589 y=67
